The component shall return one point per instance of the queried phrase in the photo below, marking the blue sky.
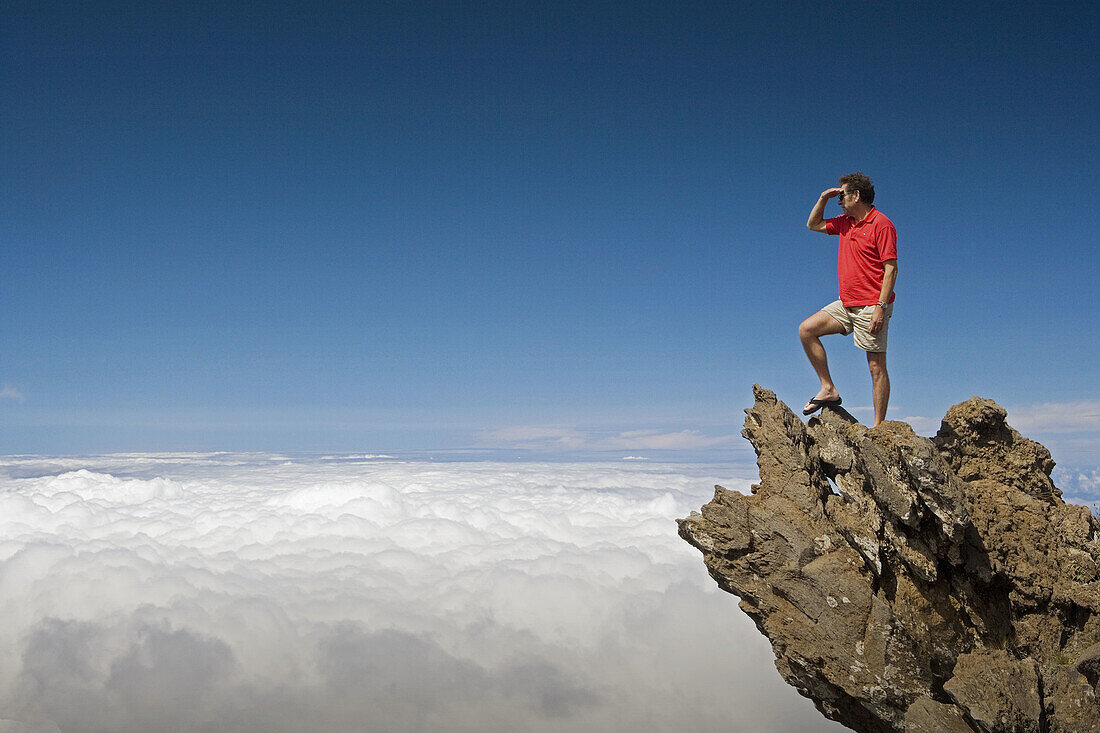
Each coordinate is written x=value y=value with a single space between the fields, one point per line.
x=574 y=226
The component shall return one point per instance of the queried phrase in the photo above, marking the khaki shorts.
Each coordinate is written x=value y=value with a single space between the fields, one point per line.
x=857 y=320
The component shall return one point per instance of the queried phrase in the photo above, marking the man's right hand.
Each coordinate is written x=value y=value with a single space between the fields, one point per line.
x=816 y=222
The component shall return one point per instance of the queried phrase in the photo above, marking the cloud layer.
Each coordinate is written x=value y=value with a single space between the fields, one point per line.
x=258 y=593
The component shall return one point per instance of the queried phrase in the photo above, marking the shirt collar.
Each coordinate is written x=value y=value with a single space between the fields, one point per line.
x=867 y=219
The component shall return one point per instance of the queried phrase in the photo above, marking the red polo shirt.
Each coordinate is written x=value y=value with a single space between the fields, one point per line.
x=864 y=246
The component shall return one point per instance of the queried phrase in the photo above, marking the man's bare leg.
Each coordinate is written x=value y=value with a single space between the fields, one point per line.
x=880 y=384
x=810 y=332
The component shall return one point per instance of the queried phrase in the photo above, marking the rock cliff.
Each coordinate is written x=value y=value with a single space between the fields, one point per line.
x=909 y=583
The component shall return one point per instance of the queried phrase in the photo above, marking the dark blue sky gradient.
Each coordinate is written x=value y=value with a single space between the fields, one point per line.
x=391 y=225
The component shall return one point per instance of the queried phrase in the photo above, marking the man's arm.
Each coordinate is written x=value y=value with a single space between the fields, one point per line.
x=817 y=213
x=889 y=277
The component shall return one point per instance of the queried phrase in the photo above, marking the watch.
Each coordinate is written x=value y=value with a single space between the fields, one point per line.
x=881 y=305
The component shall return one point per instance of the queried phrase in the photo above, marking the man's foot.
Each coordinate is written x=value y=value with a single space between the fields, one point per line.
x=824 y=398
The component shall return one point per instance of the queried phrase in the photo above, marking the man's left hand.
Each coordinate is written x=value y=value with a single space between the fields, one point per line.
x=877 y=319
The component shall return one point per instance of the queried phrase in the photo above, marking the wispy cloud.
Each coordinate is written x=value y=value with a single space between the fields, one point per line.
x=656 y=440
x=536 y=438
x=9 y=392
x=922 y=425
x=572 y=439
x=1056 y=417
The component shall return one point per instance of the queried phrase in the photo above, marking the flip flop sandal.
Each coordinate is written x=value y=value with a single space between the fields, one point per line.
x=818 y=404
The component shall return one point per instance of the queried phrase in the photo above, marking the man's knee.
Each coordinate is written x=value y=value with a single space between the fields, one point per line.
x=812 y=327
x=876 y=362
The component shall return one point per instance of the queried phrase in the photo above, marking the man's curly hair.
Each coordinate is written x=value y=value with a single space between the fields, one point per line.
x=859 y=182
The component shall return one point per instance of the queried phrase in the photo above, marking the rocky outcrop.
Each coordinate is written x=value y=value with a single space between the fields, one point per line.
x=909 y=583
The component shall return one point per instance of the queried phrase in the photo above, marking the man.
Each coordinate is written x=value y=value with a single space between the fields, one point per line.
x=867 y=267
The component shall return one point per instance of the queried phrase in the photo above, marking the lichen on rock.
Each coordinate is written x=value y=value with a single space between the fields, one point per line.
x=909 y=583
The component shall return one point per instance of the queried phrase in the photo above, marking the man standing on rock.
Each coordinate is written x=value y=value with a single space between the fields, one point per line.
x=867 y=267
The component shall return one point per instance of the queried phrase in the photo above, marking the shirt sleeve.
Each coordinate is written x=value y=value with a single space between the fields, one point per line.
x=835 y=225
x=887 y=241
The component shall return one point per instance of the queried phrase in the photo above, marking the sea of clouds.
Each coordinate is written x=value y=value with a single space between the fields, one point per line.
x=227 y=592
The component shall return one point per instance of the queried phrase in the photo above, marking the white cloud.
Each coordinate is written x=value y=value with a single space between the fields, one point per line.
x=536 y=438
x=240 y=592
x=1089 y=479
x=1078 y=484
x=922 y=425
x=9 y=392
x=570 y=439
x=357 y=457
x=1056 y=417
x=655 y=440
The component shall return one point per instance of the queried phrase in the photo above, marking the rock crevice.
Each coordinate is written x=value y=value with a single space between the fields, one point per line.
x=909 y=583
